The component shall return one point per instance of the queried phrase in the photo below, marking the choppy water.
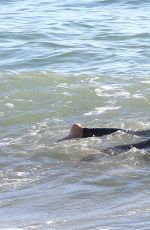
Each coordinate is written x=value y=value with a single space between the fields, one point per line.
x=66 y=62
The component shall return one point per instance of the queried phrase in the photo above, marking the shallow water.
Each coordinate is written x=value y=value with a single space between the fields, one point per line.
x=69 y=62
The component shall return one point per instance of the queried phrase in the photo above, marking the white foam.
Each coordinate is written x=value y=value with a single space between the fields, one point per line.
x=63 y=85
x=114 y=93
x=65 y=93
x=20 y=174
x=100 y=110
x=100 y=92
x=10 y=105
x=146 y=81
x=139 y=96
x=123 y=94
x=19 y=99
x=111 y=87
x=49 y=222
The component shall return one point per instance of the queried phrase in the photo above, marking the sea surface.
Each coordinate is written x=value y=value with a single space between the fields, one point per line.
x=65 y=62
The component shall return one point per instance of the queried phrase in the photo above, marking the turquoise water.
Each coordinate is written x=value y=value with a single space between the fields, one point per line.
x=66 y=62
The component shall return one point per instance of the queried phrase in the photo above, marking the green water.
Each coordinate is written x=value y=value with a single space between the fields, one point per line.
x=66 y=62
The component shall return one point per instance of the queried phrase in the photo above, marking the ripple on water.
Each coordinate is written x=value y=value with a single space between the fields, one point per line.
x=105 y=55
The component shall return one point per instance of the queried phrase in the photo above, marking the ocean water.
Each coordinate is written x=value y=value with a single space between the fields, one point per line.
x=61 y=63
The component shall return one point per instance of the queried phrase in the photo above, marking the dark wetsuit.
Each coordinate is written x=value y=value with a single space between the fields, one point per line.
x=98 y=132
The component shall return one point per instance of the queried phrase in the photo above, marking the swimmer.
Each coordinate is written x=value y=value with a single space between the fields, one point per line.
x=78 y=131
